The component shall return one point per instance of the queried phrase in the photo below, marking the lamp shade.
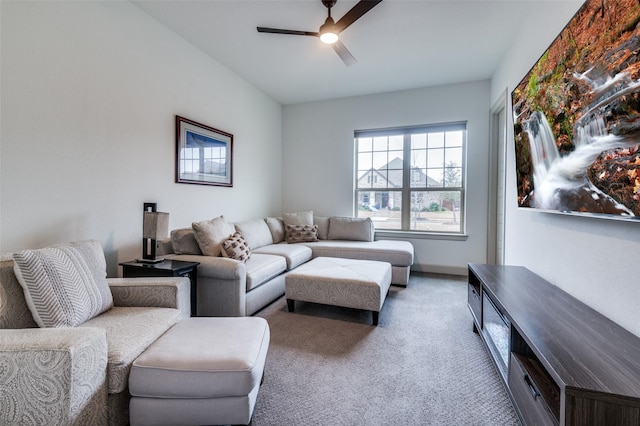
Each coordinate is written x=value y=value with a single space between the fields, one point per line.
x=155 y=225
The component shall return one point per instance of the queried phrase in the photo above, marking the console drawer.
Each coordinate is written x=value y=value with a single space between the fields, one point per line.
x=531 y=404
x=474 y=301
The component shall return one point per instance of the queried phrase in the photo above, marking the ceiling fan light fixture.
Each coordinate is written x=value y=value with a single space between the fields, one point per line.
x=327 y=32
x=328 y=37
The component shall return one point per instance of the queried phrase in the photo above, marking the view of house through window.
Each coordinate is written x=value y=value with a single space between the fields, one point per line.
x=412 y=179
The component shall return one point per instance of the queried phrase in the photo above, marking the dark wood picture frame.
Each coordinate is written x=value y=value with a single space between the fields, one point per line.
x=204 y=155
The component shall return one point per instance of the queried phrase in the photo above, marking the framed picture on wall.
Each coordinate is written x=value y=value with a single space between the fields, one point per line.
x=204 y=155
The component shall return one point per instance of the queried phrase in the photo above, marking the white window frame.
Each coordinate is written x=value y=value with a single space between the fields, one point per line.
x=409 y=172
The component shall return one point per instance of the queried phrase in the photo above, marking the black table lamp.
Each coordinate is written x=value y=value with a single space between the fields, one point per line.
x=155 y=226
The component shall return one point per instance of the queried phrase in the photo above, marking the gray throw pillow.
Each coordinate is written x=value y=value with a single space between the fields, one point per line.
x=183 y=241
x=64 y=285
x=351 y=228
x=323 y=226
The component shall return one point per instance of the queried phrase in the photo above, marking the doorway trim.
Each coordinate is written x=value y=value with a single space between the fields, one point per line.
x=497 y=180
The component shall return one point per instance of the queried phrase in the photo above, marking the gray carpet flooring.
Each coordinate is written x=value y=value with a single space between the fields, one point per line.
x=422 y=365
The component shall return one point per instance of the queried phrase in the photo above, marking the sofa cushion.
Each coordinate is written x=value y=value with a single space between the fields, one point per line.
x=262 y=267
x=351 y=228
x=323 y=226
x=276 y=227
x=255 y=232
x=64 y=285
x=302 y=233
x=183 y=241
x=294 y=254
x=235 y=247
x=211 y=233
x=130 y=330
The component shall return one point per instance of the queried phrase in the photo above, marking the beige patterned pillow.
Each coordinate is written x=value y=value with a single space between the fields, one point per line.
x=302 y=233
x=235 y=247
x=298 y=218
x=64 y=285
x=211 y=233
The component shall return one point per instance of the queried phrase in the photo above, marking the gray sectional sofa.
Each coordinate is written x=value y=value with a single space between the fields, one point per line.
x=228 y=287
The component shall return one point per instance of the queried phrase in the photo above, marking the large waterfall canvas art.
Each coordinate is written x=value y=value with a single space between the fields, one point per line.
x=576 y=116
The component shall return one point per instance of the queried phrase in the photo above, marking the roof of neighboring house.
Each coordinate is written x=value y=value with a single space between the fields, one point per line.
x=393 y=174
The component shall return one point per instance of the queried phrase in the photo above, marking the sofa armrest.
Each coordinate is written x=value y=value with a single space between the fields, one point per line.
x=222 y=268
x=222 y=285
x=53 y=376
x=159 y=292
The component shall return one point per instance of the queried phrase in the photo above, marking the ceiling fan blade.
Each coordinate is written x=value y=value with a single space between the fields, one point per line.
x=356 y=12
x=291 y=32
x=344 y=53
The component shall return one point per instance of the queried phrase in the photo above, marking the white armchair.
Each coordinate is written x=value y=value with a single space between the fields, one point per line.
x=79 y=375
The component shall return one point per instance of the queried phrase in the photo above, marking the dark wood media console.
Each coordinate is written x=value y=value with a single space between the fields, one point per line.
x=562 y=362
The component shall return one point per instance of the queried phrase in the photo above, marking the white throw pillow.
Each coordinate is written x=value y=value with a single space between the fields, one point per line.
x=299 y=218
x=276 y=227
x=211 y=233
x=64 y=285
x=255 y=232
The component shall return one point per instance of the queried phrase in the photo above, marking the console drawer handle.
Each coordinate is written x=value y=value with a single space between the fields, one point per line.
x=531 y=386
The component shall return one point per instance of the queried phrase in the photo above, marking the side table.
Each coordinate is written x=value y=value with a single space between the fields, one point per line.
x=167 y=268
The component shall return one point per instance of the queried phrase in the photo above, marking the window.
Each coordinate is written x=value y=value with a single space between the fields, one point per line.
x=412 y=179
x=207 y=160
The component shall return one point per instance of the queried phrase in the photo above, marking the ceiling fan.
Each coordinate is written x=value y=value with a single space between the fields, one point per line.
x=329 y=31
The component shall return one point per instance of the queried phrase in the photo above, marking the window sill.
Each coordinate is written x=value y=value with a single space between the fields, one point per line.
x=384 y=234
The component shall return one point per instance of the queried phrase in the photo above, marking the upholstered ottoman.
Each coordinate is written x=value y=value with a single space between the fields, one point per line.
x=360 y=284
x=202 y=371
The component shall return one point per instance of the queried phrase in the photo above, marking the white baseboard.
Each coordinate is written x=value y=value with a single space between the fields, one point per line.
x=440 y=269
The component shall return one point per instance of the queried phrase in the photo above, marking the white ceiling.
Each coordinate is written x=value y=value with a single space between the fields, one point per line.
x=399 y=44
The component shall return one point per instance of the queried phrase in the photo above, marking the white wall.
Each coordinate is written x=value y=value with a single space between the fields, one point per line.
x=90 y=91
x=595 y=260
x=318 y=158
